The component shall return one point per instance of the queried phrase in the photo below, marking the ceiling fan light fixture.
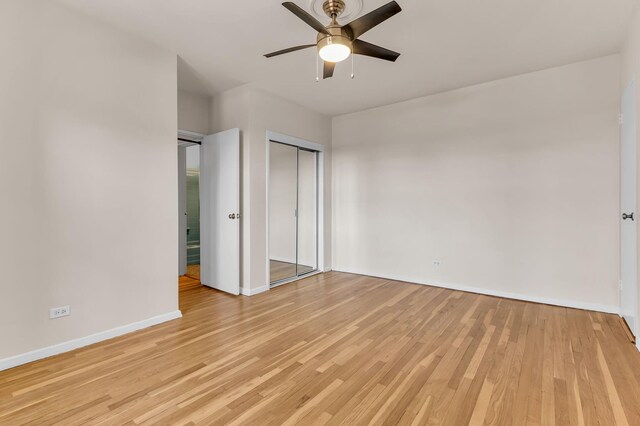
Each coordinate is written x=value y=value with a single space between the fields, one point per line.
x=334 y=49
x=336 y=42
x=334 y=53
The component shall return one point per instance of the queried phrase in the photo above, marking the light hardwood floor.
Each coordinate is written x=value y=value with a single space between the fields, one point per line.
x=342 y=349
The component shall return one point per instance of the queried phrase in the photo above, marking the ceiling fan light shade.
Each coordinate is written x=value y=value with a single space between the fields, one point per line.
x=334 y=53
x=334 y=49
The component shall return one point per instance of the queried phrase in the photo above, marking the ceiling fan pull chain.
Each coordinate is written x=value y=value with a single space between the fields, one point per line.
x=353 y=73
x=317 y=68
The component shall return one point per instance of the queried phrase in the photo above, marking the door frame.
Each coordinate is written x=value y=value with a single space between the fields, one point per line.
x=320 y=158
x=629 y=90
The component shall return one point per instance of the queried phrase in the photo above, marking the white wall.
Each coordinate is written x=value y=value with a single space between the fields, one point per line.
x=630 y=70
x=193 y=112
x=254 y=112
x=512 y=185
x=88 y=167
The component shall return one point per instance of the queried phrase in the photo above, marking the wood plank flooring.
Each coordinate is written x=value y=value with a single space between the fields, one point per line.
x=342 y=349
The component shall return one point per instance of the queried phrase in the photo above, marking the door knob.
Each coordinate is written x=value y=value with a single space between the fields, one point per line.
x=232 y=216
x=626 y=216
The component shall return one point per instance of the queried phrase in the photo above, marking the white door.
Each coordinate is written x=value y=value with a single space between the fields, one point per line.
x=220 y=211
x=628 y=226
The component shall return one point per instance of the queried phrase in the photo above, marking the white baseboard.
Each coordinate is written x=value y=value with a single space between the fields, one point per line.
x=610 y=309
x=253 y=291
x=70 y=345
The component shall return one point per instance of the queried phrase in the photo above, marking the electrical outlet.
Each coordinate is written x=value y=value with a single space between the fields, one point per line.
x=436 y=263
x=62 y=311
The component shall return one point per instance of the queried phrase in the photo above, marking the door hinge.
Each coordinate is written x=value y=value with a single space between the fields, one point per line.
x=620 y=119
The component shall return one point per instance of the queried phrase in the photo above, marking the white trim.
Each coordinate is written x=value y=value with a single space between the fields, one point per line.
x=610 y=309
x=291 y=140
x=70 y=345
x=253 y=291
x=186 y=134
x=191 y=135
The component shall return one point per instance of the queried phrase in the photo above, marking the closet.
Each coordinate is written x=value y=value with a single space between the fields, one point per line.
x=293 y=212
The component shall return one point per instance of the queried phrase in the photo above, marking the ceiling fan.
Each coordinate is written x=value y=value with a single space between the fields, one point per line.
x=336 y=42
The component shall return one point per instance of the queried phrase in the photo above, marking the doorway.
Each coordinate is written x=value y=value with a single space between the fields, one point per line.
x=193 y=211
x=209 y=209
x=293 y=212
x=628 y=222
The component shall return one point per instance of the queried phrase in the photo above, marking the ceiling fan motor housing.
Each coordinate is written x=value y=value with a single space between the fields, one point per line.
x=339 y=35
x=333 y=8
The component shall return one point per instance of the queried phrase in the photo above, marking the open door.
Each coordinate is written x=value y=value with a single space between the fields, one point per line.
x=628 y=227
x=220 y=211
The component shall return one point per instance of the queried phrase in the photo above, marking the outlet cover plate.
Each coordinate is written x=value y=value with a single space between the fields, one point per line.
x=62 y=311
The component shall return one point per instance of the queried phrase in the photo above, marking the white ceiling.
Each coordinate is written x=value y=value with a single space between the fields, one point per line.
x=445 y=44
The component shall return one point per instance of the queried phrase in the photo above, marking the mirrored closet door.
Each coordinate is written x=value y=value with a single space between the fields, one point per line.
x=293 y=212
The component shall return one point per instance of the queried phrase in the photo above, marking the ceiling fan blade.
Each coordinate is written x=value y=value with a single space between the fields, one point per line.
x=302 y=14
x=291 y=49
x=367 y=49
x=327 y=70
x=371 y=19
